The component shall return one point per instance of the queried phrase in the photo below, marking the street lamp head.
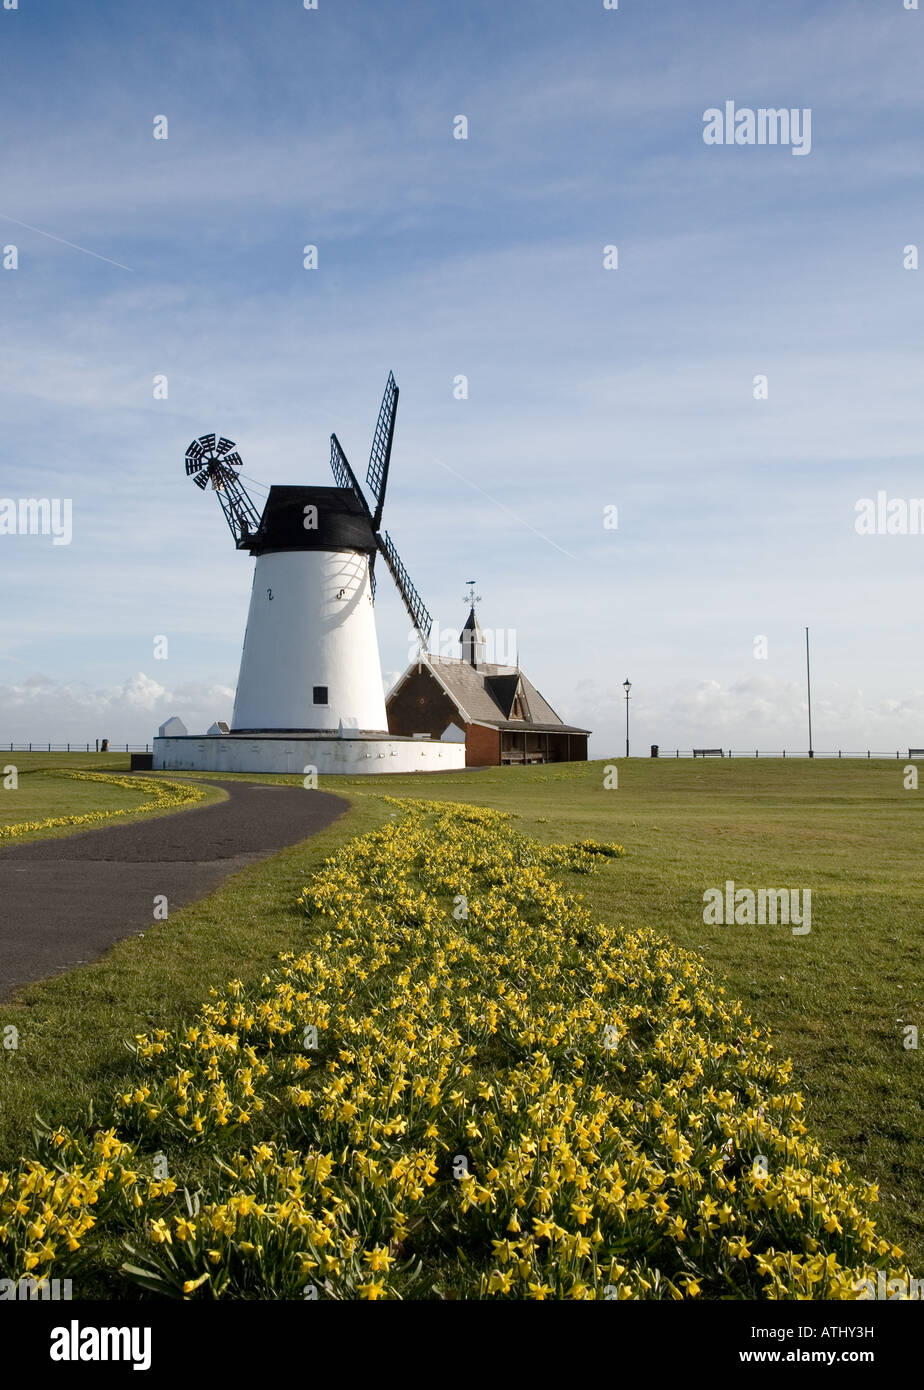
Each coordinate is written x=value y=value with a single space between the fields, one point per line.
x=627 y=685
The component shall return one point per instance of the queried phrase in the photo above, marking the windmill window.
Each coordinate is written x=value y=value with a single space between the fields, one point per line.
x=320 y=694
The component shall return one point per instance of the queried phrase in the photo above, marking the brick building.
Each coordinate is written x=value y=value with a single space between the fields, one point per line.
x=495 y=710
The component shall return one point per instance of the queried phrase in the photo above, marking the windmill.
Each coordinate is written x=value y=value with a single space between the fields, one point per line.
x=310 y=661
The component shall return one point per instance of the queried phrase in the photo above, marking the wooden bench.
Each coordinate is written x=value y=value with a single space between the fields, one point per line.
x=709 y=752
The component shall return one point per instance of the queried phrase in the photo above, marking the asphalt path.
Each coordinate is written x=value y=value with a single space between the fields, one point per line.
x=65 y=901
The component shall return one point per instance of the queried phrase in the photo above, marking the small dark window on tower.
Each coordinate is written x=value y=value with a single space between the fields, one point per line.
x=320 y=694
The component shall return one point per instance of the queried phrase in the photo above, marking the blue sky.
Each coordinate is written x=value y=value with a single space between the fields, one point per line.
x=437 y=257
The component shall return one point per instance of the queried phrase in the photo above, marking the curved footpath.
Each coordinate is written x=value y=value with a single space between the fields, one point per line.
x=66 y=901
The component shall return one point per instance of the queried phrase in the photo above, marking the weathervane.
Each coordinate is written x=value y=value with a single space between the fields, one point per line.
x=471 y=597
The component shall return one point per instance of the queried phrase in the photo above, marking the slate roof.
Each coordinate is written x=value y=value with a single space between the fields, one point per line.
x=484 y=694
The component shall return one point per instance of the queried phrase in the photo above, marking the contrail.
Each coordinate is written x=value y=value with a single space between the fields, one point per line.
x=506 y=509
x=62 y=241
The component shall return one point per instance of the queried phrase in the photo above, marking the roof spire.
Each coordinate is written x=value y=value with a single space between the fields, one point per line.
x=471 y=636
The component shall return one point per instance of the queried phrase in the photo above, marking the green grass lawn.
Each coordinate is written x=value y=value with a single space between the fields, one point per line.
x=836 y=1000
x=42 y=791
x=42 y=794
x=74 y=762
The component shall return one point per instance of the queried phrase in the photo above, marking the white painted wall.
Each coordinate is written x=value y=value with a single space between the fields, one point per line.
x=350 y=756
x=317 y=629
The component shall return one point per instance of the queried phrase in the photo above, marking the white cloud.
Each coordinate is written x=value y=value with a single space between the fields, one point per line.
x=45 y=710
x=760 y=712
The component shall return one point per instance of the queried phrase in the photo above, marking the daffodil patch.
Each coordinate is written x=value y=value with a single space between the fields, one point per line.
x=462 y=1086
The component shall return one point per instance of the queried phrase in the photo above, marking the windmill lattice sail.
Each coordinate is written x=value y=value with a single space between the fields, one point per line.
x=380 y=457
x=414 y=604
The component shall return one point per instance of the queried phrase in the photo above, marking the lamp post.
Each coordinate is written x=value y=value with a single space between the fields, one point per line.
x=627 y=686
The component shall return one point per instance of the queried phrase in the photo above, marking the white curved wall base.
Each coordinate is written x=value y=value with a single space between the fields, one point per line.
x=350 y=756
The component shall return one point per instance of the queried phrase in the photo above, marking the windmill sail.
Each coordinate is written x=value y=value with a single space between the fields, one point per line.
x=414 y=604
x=380 y=456
x=377 y=478
x=343 y=473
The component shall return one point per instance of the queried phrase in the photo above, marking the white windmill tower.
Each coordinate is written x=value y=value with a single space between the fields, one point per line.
x=310 y=665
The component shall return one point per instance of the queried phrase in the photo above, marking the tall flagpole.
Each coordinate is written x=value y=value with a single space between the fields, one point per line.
x=808 y=683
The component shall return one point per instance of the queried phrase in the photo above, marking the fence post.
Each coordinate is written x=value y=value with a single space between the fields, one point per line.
x=867 y=752
x=784 y=752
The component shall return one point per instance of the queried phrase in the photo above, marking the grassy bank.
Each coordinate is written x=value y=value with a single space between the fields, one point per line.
x=44 y=795
x=837 y=1000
